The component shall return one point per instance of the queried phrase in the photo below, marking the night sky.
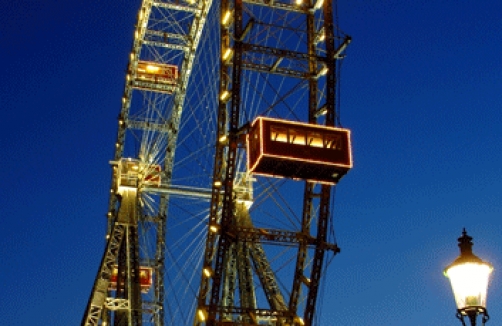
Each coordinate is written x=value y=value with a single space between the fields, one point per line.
x=421 y=90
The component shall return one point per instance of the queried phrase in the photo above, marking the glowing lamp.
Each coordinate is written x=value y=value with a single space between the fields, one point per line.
x=152 y=69
x=226 y=18
x=201 y=313
x=227 y=55
x=469 y=277
x=322 y=72
x=207 y=271
x=225 y=95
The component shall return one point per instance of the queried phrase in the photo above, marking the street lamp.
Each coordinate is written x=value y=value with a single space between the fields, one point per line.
x=469 y=276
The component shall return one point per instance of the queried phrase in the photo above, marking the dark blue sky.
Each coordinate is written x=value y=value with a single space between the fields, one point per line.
x=421 y=90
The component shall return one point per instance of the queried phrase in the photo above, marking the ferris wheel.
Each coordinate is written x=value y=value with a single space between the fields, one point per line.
x=228 y=149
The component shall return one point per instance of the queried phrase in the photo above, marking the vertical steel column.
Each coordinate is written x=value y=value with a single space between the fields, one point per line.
x=325 y=193
x=309 y=186
x=228 y=201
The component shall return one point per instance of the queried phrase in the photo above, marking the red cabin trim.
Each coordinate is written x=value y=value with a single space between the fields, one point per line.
x=281 y=148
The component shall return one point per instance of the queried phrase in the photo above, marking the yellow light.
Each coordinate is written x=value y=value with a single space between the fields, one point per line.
x=299 y=2
x=217 y=183
x=226 y=18
x=318 y=4
x=227 y=54
x=109 y=214
x=300 y=321
x=223 y=138
x=322 y=37
x=132 y=56
x=323 y=71
x=202 y=315
x=469 y=282
x=136 y=34
x=213 y=228
x=107 y=237
x=225 y=95
x=207 y=271
x=152 y=69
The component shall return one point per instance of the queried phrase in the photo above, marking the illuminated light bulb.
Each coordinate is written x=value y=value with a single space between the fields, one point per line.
x=323 y=71
x=217 y=183
x=299 y=2
x=225 y=95
x=201 y=314
x=318 y=4
x=128 y=77
x=469 y=282
x=226 y=18
x=213 y=228
x=300 y=321
x=227 y=54
x=132 y=56
x=322 y=37
x=207 y=271
x=140 y=17
x=152 y=69
x=136 y=34
x=320 y=112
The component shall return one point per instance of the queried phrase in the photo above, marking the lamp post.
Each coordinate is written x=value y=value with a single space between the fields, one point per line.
x=469 y=276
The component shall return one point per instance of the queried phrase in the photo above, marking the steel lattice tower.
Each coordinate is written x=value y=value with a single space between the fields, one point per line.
x=260 y=37
x=193 y=237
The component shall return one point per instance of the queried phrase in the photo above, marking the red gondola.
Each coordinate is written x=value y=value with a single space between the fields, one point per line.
x=145 y=278
x=281 y=148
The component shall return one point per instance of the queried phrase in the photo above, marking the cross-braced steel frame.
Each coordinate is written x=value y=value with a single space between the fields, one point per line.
x=167 y=32
x=234 y=251
x=239 y=281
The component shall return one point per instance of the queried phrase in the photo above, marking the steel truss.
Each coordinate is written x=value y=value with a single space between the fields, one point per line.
x=259 y=37
x=159 y=38
x=274 y=59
